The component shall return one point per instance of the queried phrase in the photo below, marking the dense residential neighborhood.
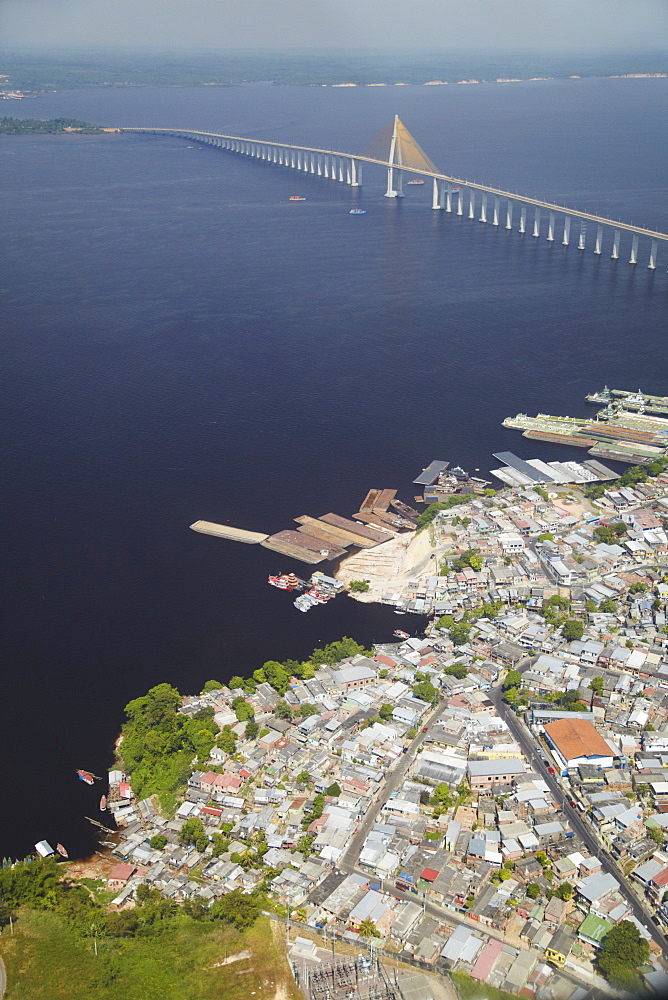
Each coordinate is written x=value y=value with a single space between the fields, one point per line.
x=490 y=798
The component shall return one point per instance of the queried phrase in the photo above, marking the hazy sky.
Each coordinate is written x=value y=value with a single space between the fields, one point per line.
x=620 y=25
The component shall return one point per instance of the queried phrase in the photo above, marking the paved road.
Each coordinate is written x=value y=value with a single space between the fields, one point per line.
x=396 y=775
x=528 y=742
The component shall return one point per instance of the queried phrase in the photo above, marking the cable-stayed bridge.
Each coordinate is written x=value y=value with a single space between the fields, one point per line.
x=397 y=151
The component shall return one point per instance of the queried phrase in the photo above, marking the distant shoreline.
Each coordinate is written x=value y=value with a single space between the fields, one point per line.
x=16 y=92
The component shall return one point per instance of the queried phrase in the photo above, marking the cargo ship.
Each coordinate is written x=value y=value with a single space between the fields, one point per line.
x=416 y=181
x=625 y=437
x=639 y=401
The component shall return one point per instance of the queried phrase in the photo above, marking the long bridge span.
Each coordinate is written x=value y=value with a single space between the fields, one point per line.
x=397 y=151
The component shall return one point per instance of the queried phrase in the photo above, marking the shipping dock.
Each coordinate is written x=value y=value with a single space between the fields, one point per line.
x=635 y=438
x=641 y=402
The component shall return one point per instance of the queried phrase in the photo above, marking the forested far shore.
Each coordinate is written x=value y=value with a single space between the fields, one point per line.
x=51 y=126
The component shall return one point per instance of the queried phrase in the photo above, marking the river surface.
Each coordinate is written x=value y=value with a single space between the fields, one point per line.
x=182 y=342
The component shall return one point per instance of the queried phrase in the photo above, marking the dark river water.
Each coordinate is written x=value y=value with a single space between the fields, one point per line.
x=182 y=342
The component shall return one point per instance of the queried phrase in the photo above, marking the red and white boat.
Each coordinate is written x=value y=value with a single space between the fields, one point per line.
x=284 y=581
x=296 y=197
x=400 y=635
x=103 y=803
x=61 y=850
x=86 y=776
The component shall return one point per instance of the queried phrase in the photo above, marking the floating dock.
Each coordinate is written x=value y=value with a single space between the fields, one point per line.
x=226 y=531
x=377 y=501
x=306 y=548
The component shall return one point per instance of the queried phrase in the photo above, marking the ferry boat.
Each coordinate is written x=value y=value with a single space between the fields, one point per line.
x=400 y=635
x=296 y=197
x=86 y=776
x=283 y=582
x=418 y=180
x=357 y=211
x=305 y=602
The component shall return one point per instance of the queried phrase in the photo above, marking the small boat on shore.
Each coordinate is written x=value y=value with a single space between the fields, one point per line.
x=103 y=803
x=61 y=850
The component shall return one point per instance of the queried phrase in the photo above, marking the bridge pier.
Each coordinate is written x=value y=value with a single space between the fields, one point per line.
x=448 y=198
x=471 y=203
x=567 y=230
x=633 y=259
x=483 y=207
x=536 y=222
x=599 y=239
x=509 y=214
x=583 y=230
x=495 y=216
x=460 y=202
x=550 y=228
x=355 y=174
x=437 y=194
x=652 y=255
x=523 y=218
x=395 y=190
x=615 y=245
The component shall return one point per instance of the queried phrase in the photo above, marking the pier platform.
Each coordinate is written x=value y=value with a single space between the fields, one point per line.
x=226 y=531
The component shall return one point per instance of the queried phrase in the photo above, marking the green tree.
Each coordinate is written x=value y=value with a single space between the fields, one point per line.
x=227 y=740
x=565 y=891
x=252 y=729
x=191 y=830
x=625 y=943
x=458 y=670
x=533 y=890
x=334 y=652
x=638 y=588
x=158 y=842
x=596 y=685
x=212 y=686
x=608 y=606
x=512 y=679
x=304 y=778
x=219 y=844
x=460 y=633
x=425 y=691
x=367 y=929
x=441 y=794
x=242 y=709
x=236 y=908
x=546 y=536
x=276 y=675
x=358 y=586
x=334 y=790
x=308 y=708
x=572 y=629
x=385 y=711
x=283 y=710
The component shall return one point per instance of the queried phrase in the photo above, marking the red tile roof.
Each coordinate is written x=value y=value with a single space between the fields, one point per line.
x=430 y=874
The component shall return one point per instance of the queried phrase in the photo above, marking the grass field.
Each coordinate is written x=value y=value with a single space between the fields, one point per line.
x=46 y=960
x=471 y=989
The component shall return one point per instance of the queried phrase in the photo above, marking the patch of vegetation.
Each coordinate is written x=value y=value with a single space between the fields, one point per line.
x=471 y=989
x=37 y=126
x=46 y=958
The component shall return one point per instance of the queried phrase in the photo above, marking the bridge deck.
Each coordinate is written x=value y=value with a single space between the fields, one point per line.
x=457 y=181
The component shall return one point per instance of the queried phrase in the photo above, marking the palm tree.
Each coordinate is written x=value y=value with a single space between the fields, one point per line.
x=367 y=929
